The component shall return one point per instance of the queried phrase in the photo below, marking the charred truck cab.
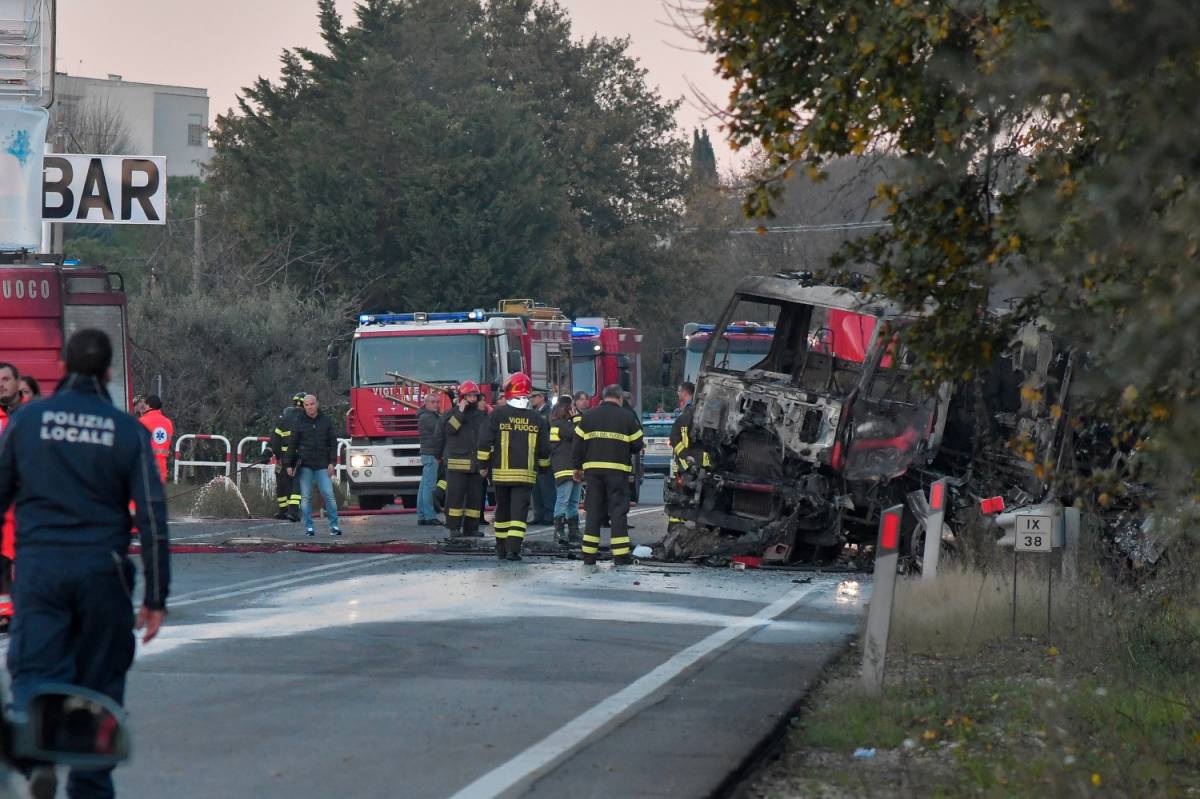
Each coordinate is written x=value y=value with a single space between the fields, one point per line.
x=796 y=453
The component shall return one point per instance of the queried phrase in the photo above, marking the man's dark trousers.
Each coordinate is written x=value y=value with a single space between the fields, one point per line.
x=607 y=498
x=73 y=624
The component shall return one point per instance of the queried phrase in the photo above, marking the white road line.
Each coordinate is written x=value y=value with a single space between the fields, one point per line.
x=539 y=759
x=234 y=590
x=233 y=531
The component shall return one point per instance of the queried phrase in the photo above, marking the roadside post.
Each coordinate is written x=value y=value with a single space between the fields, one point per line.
x=1033 y=532
x=1072 y=524
x=883 y=594
x=934 y=522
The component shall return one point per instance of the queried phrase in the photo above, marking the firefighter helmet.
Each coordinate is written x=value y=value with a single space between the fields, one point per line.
x=519 y=385
x=468 y=387
x=298 y=397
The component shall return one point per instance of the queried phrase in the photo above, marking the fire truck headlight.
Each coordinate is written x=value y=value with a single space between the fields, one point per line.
x=359 y=460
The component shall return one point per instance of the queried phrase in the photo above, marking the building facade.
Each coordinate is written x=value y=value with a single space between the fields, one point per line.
x=112 y=115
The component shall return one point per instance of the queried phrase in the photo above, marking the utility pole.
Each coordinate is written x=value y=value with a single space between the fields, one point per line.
x=198 y=248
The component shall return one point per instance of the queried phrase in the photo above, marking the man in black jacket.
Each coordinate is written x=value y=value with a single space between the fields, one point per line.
x=312 y=457
x=433 y=441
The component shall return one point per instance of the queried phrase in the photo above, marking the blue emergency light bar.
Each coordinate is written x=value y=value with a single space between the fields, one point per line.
x=477 y=315
x=583 y=331
x=751 y=329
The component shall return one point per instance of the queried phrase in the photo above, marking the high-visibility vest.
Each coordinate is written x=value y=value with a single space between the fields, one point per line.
x=162 y=433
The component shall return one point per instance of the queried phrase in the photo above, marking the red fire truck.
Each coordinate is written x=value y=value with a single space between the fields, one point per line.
x=398 y=358
x=604 y=353
x=44 y=299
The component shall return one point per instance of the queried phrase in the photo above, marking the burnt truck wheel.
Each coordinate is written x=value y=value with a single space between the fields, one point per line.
x=374 y=501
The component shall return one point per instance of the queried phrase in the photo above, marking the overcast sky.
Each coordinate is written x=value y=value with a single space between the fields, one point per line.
x=223 y=45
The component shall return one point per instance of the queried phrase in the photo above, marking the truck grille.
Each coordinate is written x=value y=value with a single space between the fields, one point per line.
x=752 y=503
x=396 y=423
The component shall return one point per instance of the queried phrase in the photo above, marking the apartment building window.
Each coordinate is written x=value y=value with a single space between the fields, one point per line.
x=195 y=130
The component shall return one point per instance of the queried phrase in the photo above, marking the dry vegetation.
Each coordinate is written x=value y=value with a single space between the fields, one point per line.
x=1105 y=703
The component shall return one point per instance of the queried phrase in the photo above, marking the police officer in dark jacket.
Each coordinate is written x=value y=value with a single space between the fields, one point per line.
x=606 y=441
x=72 y=464
x=312 y=459
x=286 y=494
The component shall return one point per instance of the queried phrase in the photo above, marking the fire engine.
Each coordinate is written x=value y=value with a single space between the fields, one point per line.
x=742 y=345
x=44 y=299
x=604 y=353
x=398 y=358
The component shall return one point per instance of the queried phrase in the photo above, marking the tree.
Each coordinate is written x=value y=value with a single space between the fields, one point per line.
x=93 y=125
x=704 y=160
x=451 y=153
x=1045 y=156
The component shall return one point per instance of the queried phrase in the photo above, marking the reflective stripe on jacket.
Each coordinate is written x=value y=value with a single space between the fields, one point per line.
x=514 y=445
x=607 y=438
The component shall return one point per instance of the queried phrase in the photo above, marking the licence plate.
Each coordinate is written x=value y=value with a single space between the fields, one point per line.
x=414 y=461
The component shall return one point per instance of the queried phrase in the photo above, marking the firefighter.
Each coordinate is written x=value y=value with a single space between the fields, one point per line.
x=287 y=497
x=162 y=432
x=562 y=440
x=681 y=445
x=514 y=446
x=464 y=484
x=606 y=441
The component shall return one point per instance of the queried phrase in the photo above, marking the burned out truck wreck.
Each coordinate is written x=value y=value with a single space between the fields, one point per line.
x=796 y=455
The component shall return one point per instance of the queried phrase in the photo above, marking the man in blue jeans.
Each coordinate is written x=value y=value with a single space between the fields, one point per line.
x=433 y=441
x=312 y=457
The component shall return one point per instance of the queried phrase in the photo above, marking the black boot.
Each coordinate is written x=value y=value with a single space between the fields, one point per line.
x=501 y=549
x=514 y=547
x=622 y=560
x=560 y=530
x=573 y=534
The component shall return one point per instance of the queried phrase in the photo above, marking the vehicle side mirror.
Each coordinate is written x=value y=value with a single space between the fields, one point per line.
x=626 y=380
x=72 y=726
x=664 y=374
x=331 y=363
x=513 y=361
x=622 y=361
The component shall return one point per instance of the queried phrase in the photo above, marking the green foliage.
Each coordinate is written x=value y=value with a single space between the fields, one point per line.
x=704 y=160
x=1048 y=154
x=447 y=153
x=230 y=361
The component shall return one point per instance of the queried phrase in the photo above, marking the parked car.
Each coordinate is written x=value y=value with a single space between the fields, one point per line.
x=656 y=428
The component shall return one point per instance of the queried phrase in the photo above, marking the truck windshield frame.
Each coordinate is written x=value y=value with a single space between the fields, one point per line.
x=583 y=373
x=431 y=358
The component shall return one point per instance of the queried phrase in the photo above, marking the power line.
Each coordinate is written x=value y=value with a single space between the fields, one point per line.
x=833 y=227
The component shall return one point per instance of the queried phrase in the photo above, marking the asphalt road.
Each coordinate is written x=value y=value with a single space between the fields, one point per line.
x=287 y=674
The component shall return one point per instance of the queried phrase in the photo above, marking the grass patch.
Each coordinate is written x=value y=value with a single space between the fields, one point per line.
x=1106 y=704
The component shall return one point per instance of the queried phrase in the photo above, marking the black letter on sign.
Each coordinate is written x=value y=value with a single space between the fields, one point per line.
x=142 y=194
x=95 y=192
x=61 y=187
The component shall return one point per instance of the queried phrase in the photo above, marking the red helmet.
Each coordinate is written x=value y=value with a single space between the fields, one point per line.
x=519 y=385
x=468 y=387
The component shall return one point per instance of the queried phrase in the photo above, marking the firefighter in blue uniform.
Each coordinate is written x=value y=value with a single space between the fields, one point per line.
x=72 y=464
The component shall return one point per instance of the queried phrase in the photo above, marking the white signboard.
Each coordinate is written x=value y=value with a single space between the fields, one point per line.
x=22 y=142
x=1034 y=533
x=105 y=189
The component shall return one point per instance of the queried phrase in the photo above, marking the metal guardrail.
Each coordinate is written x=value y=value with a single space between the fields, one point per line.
x=243 y=465
x=225 y=465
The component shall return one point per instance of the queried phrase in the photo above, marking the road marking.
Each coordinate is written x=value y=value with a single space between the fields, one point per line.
x=280 y=581
x=539 y=759
x=234 y=531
